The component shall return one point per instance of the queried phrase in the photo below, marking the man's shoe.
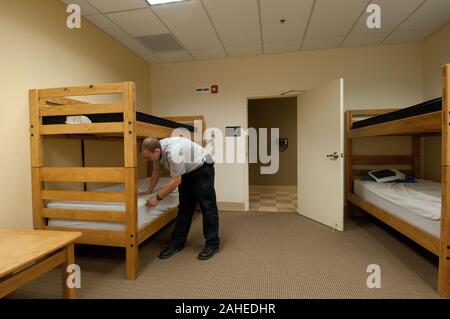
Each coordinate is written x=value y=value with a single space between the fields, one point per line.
x=208 y=252
x=169 y=252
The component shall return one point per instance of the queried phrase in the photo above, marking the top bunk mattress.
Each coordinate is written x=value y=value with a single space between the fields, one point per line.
x=431 y=106
x=118 y=117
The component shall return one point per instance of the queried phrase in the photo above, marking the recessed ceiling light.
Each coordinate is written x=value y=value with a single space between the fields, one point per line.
x=156 y=2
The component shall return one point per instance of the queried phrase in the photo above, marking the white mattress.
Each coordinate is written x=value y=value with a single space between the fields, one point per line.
x=419 y=203
x=145 y=214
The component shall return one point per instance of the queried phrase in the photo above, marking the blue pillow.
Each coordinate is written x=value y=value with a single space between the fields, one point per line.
x=408 y=179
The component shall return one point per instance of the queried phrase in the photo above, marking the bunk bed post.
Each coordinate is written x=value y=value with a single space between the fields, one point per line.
x=130 y=163
x=444 y=258
x=416 y=154
x=37 y=159
x=348 y=163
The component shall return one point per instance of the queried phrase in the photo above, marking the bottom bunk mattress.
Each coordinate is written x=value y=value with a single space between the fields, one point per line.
x=418 y=204
x=145 y=214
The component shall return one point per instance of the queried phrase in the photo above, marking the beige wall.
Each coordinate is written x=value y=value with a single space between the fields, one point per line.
x=39 y=51
x=436 y=54
x=276 y=113
x=378 y=76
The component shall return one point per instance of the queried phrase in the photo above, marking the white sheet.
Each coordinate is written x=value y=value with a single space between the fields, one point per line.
x=145 y=214
x=419 y=203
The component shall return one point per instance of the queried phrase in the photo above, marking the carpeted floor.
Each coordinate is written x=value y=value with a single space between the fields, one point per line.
x=263 y=255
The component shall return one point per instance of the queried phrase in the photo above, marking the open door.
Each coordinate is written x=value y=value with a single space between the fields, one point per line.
x=320 y=154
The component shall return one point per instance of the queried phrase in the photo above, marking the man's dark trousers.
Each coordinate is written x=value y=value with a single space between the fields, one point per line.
x=197 y=187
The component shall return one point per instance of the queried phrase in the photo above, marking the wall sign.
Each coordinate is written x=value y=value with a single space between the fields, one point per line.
x=232 y=131
x=213 y=89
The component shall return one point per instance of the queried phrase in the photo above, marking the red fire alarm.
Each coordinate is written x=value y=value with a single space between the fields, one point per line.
x=214 y=89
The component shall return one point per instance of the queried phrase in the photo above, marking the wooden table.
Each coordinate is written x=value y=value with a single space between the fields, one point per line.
x=28 y=254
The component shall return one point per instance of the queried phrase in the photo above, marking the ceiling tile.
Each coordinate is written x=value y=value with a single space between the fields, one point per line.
x=190 y=24
x=236 y=21
x=392 y=14
x=356 y=40
x=109 y=27
x=160 y=42
x=333 y=18
x=432 y=15
x=139 y=22
x=279 y=47
x=408 y=36
x=322 y=43
x=244 y=50
x=209 y=54
x=86 y=8
x=174 y=56
x=118 y=5
x=296 y=14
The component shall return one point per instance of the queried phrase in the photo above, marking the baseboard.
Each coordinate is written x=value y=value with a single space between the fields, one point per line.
x=231 y=206
x=267 y=188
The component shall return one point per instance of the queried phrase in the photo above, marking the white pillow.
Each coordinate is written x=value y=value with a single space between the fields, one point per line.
x=80 y=119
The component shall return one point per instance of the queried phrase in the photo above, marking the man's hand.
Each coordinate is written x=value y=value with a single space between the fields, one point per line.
x=144 y=193
x=152 y=202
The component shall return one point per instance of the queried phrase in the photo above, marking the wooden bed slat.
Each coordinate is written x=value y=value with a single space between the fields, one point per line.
x=95 y=237
x=61 y=101
x=152 y=130
x=83 y=174
x=382 y=160
x=113 y=88
x=84 y=196
x=80 y=109
x=89 y=215
x=98 y=128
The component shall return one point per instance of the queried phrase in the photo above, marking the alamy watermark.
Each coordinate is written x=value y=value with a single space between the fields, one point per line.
x=250 y=146
x=74 y=276
x=374 y=279
x=74 y=19
x=374 y=19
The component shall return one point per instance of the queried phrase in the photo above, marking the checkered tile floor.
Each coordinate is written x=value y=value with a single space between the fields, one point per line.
x=265 y=201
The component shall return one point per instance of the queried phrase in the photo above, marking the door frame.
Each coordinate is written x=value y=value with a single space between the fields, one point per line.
x=247 y=166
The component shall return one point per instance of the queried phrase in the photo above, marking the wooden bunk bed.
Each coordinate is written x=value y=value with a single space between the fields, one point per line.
x=124 y=124
x=431 y=121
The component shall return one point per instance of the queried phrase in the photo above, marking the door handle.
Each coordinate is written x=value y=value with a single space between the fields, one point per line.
x=333 y=156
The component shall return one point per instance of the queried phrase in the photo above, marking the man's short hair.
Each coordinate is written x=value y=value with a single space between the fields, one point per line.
x=150 y=144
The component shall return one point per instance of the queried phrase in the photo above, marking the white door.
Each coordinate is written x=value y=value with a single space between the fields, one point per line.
x=320 y=161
